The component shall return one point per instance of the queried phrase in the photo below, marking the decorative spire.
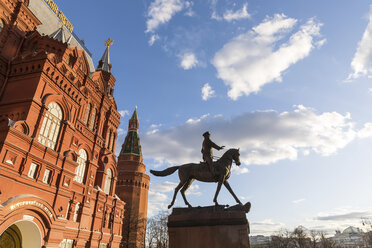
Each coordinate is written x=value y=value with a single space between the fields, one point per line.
x=132 y=141
x=133 y=122
x=104 y=63
x=134 y=115
x=60 y=35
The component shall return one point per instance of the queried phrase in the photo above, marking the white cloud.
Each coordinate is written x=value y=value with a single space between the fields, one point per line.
x=164 y=187
x=214 y=10
x=156 y=196
x=121 y=131
x=157 y=202
x=153 y=38
x=339 y=219
x=230 y=15
x=162 y=11
x=362 y=61
x=366 y=131
x=298 y=200
x=154 y=128
x=207 y=92
x=250 y=61
x=188 y=61
x=152 y=131
x=264 y=137
x=193 y=190
x=195 y=121
x=265 y=227
x=320 y=43
x=329 y=221
x=239 y=170
x=123 y=113
x=189 y=12
x=345 y=214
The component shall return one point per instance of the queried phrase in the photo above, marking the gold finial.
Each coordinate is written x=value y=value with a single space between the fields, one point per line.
x=108 y=42
x=136 y=108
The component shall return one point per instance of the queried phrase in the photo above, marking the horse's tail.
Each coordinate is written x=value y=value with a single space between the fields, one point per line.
x=165 y=172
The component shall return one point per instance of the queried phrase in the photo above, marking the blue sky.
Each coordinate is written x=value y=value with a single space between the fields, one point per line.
x=289 y=82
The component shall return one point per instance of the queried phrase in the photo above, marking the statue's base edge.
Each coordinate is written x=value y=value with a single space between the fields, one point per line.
x=208 y=227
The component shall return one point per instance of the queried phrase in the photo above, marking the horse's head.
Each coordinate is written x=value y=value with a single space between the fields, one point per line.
x=236 y=157
x=232 y=154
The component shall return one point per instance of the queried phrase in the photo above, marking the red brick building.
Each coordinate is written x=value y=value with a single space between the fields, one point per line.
x=58 y=120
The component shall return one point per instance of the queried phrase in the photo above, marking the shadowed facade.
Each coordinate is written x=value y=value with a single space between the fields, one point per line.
x=58 y=129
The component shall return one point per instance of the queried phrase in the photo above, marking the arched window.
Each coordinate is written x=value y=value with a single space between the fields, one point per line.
x=1 y=25
x=92 y=119
x=112 y=142
x=51 y=124
x=108 y=136
x=76 y=212
x=87 y=112
x=80 y=170
x=108 y=182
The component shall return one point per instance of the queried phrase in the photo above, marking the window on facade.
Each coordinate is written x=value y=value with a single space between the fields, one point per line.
x=92 y=119
x=1 y=25
x=33 y=170
x=87 y=112
x=103 y=245
x=111 y=220
x=108 y=136
x=80 y=170
x=76 y=212
x=46 y=176
x=51 y=124
x=66 y=243
x=108 y=181
x=68 y=210
x=69 y=60
x=112 y=142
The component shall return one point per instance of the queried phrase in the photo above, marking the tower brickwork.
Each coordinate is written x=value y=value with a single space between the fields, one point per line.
x=132 y=187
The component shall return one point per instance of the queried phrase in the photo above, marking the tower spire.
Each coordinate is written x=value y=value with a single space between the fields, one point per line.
x=104 y=63
x=132 y=141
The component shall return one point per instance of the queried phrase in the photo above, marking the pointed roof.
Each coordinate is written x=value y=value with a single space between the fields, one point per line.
x=134 y=115
x=104 y=63
x=132 y=141
x=61 y=35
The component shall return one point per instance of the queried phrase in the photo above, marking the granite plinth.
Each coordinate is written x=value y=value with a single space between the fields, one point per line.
x=206 y=227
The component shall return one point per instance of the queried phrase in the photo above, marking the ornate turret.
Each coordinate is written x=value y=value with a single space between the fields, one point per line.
x=104 y=63
x=132 y=141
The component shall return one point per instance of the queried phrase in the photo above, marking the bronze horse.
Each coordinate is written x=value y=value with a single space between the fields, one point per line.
x=189 y=172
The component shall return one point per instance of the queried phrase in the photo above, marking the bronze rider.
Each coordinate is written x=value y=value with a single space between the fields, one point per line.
x=207 y=151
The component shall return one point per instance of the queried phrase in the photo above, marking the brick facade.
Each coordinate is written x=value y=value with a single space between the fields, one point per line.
x=58 y=122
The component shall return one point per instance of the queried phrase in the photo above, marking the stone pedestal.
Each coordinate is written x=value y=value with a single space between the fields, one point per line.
x=208 y=227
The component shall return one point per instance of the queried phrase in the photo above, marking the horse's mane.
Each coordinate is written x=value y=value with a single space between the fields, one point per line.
x=227 y=153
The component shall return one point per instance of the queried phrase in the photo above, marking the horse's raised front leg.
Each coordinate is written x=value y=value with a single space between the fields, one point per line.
x=175 y=193
x=227 y=185
x=184 y=188
x=217 y=192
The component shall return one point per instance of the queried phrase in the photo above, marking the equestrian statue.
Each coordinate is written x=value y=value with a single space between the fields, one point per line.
x=207 y=171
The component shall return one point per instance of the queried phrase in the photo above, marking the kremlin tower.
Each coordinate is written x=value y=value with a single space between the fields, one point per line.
x=132 y=187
